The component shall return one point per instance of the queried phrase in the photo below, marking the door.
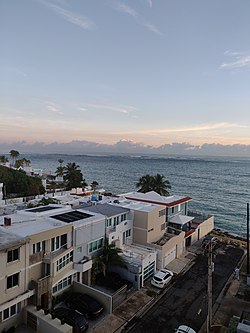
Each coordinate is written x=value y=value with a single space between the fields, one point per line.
x=169 y=256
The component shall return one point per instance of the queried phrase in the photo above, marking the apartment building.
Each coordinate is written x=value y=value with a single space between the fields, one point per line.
x=14 y=291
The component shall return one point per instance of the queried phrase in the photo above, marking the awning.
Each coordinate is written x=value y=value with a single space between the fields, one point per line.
x=181 y=219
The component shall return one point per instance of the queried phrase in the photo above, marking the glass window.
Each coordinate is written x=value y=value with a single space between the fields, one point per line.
x=12 y=280
x=6 y=314
x=96 y=245
x=13 y=255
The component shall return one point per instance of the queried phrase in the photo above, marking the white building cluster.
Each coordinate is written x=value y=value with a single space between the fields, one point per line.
x=43 y=250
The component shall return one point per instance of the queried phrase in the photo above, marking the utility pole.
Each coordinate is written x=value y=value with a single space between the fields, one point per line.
x=209 y=288
x=248 y=277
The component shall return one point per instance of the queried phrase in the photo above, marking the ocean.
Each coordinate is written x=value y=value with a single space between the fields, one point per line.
x=218 y=185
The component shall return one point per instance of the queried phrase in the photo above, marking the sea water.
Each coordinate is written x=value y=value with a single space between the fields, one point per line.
x=218 y=186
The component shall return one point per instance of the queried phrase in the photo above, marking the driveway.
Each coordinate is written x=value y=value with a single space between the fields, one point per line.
x=186 y=301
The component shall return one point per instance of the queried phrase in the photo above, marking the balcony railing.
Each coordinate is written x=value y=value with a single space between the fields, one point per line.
x=83 y=265
x=50 y=257
x=36 y=257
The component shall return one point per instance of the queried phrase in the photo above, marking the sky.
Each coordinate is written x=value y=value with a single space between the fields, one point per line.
x=136 y=72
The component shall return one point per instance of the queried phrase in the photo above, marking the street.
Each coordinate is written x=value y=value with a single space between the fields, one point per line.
x=185 y=301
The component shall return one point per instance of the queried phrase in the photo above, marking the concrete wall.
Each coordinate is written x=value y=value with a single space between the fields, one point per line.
x=148 y=226
x=203 y=229
x=177 y=242
x=7 y=269
x=45 y=323
x=85 y=234
x=101 y=297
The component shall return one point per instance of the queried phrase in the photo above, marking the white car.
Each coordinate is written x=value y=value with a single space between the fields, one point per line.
x=184 y=329
x=162 y=278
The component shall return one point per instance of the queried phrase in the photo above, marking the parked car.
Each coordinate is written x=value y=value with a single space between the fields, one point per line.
x=72 y=318
x=84 y=304
x=162 y=278
x=184 y=329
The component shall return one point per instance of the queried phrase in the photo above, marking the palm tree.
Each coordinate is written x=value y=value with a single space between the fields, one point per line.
x=14 y=154
x=110 y=257
x=60 y=171
x=3 y=159
x=156 y=183
x=161 y=185
x=145 y=183
x=73 y=175
x=94 y=185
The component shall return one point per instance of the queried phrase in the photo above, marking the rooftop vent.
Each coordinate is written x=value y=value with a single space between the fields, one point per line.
x=7 y=221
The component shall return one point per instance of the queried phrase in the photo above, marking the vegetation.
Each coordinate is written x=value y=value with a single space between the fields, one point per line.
x=73 y=176
x=14 y=154
x=110 y=257
x=18 y=184
x=3 y=159
x=60 y=169
x=94 y=185
x=156 y=183
x=22 y=162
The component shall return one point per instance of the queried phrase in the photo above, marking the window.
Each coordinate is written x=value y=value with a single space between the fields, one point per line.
x=58 y=242
x=12 y=280
x=79 y=249
x=13 y=255
x=11 y=311
x=62 y=284
x=172 y=210
x=123 y=217
x=126 y=234
x=64 y=261
x=96 y=245
x=109 y=222
x=38 y=247
x=162 y=212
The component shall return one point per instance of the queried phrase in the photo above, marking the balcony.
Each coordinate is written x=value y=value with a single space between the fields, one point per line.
x=84 y=265
x=44 y=285
x=36 y=257
x=50 y=257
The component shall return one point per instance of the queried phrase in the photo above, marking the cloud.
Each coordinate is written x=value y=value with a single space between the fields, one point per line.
x=126 y=9
x=150 y=3
x=119 y=109
x=52 y=107
x=79 y=20
x=202 y=127
x=121 y=7
x=129 y=147
x=241 y=60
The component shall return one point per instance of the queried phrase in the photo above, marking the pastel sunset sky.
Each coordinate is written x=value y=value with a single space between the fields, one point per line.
x=150 y=71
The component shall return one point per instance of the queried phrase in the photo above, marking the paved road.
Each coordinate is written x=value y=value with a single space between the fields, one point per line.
x=182 y=301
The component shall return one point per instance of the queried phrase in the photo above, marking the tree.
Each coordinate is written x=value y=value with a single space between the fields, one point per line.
x=73 y=176
x=94 y=185
x=18 y=184
x=14 y=154
x=161 y=185
x=3 y=159
x=145 y=183
x=110 y=257
x=60 y=171
x=156 y=183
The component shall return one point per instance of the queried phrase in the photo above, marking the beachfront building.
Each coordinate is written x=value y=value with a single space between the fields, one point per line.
x=14 y=289
x=177 y=216
x=58 y=245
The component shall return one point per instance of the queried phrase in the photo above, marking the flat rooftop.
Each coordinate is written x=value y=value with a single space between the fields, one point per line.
x=8 y=239
x=156 y=198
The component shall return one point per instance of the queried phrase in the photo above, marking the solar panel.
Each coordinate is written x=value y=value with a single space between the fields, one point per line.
x=71 y=216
